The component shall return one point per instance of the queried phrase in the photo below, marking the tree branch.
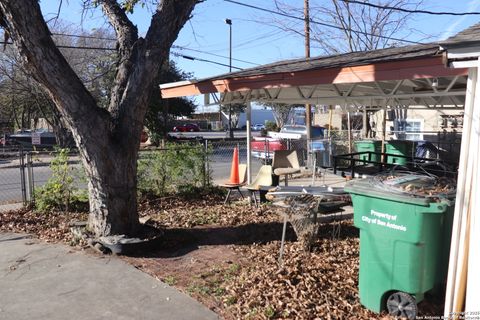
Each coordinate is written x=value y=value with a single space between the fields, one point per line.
x=127 y=36
x=165 y=26
x=43 y=60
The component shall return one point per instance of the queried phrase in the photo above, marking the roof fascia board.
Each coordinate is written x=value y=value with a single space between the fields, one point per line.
x=175 y=84
x=463 y=52
x=464 y=64
x=460 y=44
x=419 y=68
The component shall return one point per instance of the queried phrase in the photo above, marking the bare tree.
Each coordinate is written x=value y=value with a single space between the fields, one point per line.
x=27 y=101
x=281 y=112
x=107 y=138
x=358 y=27
x=233 y=111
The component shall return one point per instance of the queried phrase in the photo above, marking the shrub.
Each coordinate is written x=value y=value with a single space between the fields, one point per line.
x=177 y=168
x=271 y=126
x=60 y=191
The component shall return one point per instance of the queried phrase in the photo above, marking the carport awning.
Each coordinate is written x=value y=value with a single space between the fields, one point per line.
x=397 y=76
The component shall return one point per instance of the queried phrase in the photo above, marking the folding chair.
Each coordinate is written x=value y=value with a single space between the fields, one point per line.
x=263 y=178
x=285 y=162
x=242 y=174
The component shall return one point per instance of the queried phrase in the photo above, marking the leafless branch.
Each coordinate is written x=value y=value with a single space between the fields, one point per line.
x=362 y=27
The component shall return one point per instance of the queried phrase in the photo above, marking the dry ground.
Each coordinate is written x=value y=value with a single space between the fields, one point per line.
x=226 y=257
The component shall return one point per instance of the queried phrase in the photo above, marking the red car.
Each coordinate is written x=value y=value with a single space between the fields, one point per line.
x=188 y=127
x=263 y=147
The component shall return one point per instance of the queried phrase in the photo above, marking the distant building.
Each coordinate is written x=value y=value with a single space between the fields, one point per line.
x=260 y=116
x=219 y=120
x=443 y=128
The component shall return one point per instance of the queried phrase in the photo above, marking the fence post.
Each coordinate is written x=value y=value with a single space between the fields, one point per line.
x=30 y=180
x=206 y=176
x=22 y=176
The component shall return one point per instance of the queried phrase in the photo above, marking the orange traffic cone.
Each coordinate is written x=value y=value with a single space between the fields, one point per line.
x=234 y=177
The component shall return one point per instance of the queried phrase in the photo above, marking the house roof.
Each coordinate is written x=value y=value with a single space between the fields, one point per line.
x=340 y=60
x=314 y=75
x=467 y=37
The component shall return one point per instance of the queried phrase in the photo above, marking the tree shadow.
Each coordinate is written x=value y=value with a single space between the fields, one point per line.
x=177 y=242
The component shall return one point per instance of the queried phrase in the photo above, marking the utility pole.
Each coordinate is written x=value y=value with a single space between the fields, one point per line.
x=308 y=109
x=229 y=22
x=306 y=13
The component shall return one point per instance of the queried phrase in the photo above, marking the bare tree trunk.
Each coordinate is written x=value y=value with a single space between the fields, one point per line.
x=112 y=190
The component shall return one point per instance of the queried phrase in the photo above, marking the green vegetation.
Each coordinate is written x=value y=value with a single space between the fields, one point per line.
x=177 y=168
x=269 y=312
x=170 y=280
x=60 y=191
x=271 y=126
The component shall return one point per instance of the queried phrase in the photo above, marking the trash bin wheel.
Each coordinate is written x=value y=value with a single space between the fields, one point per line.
x=401 y=304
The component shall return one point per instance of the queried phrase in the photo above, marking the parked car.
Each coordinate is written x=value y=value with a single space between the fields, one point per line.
x=298 y=132
x=258 y=127
x=188 y=127
x=24 y=138
x=263 y=147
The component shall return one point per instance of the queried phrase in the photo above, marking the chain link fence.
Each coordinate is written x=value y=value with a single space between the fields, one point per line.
x=13 y=176
x=21 y=172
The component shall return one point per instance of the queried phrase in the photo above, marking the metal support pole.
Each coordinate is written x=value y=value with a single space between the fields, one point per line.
x=330 y=114
x=249 y=142
x=308 y=108
x=31 y=182
x=22 y=177
x=364 y=124
x=349 y=129
x=206 y=165
x=384 y=132
x=282 y=244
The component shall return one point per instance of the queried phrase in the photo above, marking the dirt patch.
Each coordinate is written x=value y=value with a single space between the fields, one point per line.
x=227 y=258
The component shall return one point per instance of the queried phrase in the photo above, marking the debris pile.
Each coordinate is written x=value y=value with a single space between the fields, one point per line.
x=51 y=227
x=416 y=184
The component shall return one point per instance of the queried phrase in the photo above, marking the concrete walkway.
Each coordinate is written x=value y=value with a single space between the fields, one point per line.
x=51 y=281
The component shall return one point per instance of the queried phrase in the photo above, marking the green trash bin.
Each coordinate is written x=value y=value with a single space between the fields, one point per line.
x=404 y=245
x=369 y=145
x=399 y=147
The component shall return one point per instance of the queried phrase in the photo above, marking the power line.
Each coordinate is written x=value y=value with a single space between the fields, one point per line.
x=73 y=47
x=173 y=46
x=176 y=54
x=213 y=54
x=437 y=13
x=83 y=36
x=320 y=23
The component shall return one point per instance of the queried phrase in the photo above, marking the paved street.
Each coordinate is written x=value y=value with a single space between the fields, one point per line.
x=10 y=186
